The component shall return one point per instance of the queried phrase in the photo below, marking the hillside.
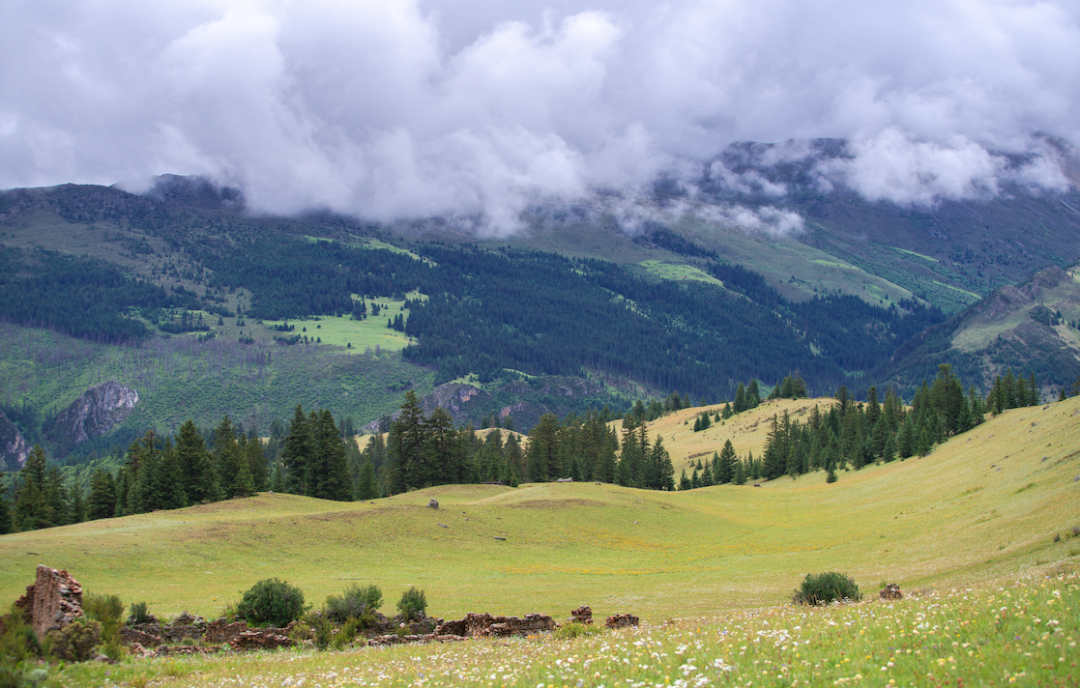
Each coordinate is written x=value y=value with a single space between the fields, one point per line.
x=203 y=309
x=984 y=506
x=1033 y=326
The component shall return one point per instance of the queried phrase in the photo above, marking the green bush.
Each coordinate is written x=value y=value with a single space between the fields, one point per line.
x=76 y=641
x=322 y=630
x=346 y=634
x=354 y=603
x=140 y=614
x=108 y=611
x=576 y=630
x=412 y=604
x=823 y=588
x=271 y=602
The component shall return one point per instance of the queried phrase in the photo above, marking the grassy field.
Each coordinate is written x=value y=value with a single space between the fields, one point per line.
x=360 y=334
x=983 y=507
x=1021 y=634
x=747 y=430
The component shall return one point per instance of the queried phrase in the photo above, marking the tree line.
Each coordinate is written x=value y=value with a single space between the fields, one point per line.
x=318 y=458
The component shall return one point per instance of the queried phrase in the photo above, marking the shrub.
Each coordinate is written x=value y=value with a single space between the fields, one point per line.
x=575 y=630
x=271 y=602
x=412 y=604
x=354 y=603
x=140 y=614
x=108 y=611
x=827 y=587
x=346 y=634
x=322 y=631
x=76 y=641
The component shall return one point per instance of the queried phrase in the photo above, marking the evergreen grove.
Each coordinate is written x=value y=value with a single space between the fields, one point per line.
x=318 y=459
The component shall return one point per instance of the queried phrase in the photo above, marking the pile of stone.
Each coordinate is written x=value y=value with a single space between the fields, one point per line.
x=621 y=621
x=488 y=626
x=582 y=615
x=891 y=592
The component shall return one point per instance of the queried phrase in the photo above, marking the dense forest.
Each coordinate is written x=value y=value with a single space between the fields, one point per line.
x=318 y=457
x=80 y=297
x=488 y=309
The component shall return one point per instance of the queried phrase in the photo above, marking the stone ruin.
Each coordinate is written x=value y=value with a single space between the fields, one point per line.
x=52 y=602
x=55 y=600
x=622 y=621
x=891 y=592
x=488 y=626
x=582 y=615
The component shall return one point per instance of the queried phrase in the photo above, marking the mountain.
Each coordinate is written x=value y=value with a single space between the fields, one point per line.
x=1028 y=328
x=759 y=267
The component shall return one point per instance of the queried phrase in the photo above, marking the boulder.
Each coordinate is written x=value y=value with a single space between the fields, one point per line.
x=621 y=621
x=433 y=504
x=52 y=602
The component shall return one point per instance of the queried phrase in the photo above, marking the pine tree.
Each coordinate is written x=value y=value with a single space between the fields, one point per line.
x=366 y=487
x=197 y=475
x=102 y=502
x=330 y=470
x=227 y=456
x=297 y=454
x=405 y=446
x=32 y=508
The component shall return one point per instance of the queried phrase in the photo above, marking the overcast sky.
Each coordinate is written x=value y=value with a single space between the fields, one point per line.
x=394 y=108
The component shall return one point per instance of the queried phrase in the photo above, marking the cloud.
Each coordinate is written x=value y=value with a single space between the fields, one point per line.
x=394 y=108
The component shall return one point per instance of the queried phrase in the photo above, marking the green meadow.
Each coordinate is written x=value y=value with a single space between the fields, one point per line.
x=983 y=506
x=981 y=532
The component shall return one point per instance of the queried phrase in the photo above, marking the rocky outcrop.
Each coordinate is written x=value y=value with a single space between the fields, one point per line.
x=96 y=412
x=486 y=625
x=621 y=621
x=13 y=446
x=52 y=602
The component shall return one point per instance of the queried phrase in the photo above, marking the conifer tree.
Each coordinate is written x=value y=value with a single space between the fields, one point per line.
x=366 y=487
x=197 y=475
x=32 y=508
x=405 y=446
x=297 y=454
x=102 y=501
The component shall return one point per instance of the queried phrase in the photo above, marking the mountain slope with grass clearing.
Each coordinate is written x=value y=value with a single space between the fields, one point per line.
x=984 y=506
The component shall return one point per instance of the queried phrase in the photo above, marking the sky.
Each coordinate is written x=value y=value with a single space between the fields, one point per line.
x=392 y=109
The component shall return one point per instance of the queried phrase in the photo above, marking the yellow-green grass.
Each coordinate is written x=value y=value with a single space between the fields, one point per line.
x=1022 y=634
x=983 y=506
x=679 y=272
x=747 y=430
x=361 y=334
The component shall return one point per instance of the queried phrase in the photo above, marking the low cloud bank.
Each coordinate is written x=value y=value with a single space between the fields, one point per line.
x=399 y=108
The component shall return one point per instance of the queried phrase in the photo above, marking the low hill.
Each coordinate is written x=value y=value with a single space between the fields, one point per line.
x=984 y=506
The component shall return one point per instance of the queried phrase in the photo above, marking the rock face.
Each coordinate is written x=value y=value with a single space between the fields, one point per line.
x=13 y=446
x=93 y=414
x=52 y=602
x=486 y=625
